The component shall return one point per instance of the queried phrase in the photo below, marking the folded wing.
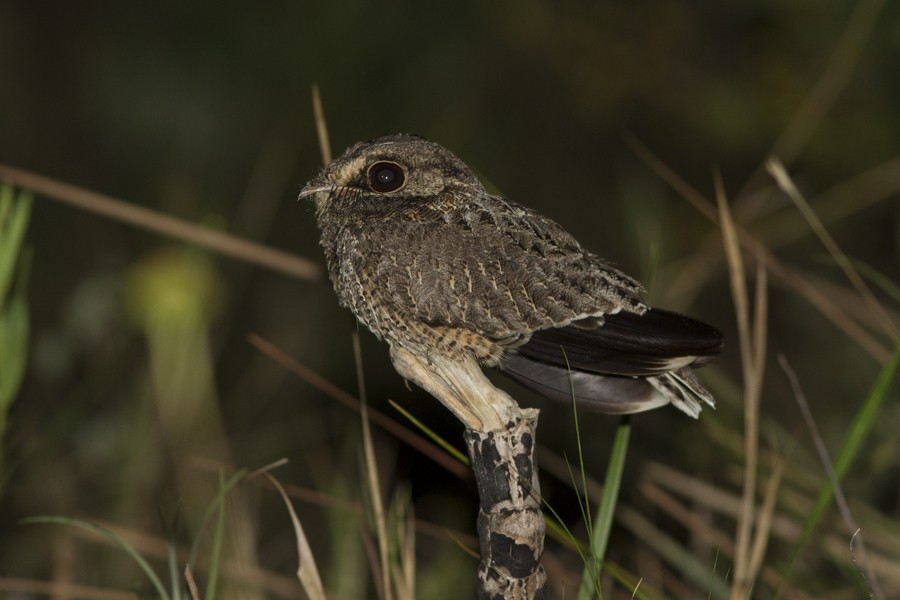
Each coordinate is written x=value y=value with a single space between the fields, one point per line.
x=620 y=363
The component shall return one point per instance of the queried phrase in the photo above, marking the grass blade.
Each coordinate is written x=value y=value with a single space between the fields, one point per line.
x=144 y=566
x=307 y=572
x=859 y=432
x=14 y=215
x=218 y=540
x=210 y=511
x=590 y=578
x=784 y=181
x=372 y=479
x=447 y=446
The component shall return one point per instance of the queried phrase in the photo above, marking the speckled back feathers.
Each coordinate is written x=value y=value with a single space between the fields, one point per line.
x=442 y=252
x=438 y=267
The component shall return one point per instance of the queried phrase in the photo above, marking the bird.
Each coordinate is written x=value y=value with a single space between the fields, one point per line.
x=455 y=279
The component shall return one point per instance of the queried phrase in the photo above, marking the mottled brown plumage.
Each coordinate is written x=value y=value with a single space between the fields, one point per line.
x=452 y=276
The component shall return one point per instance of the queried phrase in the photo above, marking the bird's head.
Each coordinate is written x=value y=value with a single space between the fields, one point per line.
x=395 y=167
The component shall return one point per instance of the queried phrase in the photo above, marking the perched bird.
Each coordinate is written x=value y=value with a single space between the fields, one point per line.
x=455 y=278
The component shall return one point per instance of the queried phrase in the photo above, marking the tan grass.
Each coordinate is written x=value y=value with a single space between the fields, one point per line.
x=827 y=464
x=787 y=185
x=18 y=587
x=321 y=125
x=191 y=582
x=307 y=572
x=751 y=338
x=385 y=422
x=169 y=226
x=791 y=278
x=371 y=472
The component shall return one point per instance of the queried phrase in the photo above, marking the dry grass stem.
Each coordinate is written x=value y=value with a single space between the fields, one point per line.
x=192 y=584
x=859 y=569
x=833 y=81
x=151 y=546
x=321 y=125
x=766 y=516
x=151 y=220
x=307 y=572
x=844 y=199
x=378 y=513
x=64 y=560
x=16 y=588
x=688 y=517
x=748 y=335
x=826 y=305
x=385 y=422
x=787 y=276
x=676 y=181
x=822 y=451
x=706 y=495
x=404 y=571
x=784 y=181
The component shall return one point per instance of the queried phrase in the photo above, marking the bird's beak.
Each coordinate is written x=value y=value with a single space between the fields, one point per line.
x=314 y=187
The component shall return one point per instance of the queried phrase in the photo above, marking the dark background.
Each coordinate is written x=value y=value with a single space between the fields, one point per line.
x=203 y=111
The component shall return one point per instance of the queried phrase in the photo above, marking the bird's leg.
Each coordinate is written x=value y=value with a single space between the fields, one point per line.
x=462 y=387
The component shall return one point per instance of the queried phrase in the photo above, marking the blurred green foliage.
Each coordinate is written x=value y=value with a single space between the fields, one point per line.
x=15 y=211
x=203 y=112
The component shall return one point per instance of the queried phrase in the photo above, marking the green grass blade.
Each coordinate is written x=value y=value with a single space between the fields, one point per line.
x=603 y=523
x=447 y=446
x=144 y=566
x=218 y=540
x=210 y=511
x=884 y=282
x=14 y=331
x=174 y=578
x=859 y=432
x=14 y=217
x=584 y=502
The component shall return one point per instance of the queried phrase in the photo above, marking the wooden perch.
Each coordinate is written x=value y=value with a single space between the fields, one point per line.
x=500 y=438
x=510 y=521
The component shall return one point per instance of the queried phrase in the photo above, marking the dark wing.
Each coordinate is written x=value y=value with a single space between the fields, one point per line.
x=621 y=363
x=653 y=343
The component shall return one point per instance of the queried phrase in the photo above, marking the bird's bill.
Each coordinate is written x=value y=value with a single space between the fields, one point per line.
x=314 y=188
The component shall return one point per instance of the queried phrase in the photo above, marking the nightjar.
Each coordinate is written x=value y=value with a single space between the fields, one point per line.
x=454 y=278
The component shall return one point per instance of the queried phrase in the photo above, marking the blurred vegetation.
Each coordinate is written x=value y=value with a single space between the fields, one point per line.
x=14 y=327
x=615 y=119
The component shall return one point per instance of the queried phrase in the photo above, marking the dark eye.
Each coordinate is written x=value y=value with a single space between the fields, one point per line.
x=386 y=177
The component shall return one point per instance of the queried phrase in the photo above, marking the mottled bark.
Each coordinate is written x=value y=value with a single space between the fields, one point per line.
x=510 y=522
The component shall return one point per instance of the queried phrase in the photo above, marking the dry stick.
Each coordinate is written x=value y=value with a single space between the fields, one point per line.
x=145 y=218
x=500 y=437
